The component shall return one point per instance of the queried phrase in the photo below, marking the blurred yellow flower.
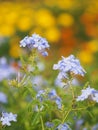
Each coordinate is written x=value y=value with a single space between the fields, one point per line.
x=11 y=18
x=65 y=19
x=85 y=57
x=15 y=50
x=93 y=6
x=52 y=34
x=24 y=23
x=92 y=46
x=36 y=30
x=65 y=4
x=44 y=18
x=6 y=30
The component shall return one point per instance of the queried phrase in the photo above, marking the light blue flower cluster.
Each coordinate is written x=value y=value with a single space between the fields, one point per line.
x=49 y=124
x=88 y=93
x=37 y=42
x=69 y=65
x=60 y=127
x=40 y=95
x=7 y=118
x=63 y=127
x=52 y=95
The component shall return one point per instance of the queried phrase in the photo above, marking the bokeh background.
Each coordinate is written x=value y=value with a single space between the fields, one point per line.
x=70 y=26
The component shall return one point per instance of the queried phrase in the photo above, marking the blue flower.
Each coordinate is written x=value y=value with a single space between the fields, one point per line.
x=7 y=117
x=58 y=102
x=88 y=93
x=37 y=42
x=69 y=65
x=40 y=95
x=53 y=96
x=43 y=95
x=49 y=124
x=63 y=127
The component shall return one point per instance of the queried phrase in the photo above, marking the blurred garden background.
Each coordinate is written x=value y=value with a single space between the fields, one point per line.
x=70 y=27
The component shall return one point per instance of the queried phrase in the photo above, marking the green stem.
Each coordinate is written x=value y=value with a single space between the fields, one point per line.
x=42 y=123
x=81 y=108
x=66 y=115
x=78 y=109
x=72 y=90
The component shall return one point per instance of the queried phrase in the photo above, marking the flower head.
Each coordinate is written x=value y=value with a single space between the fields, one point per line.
x=54 y=97
x=49 y=124
x=68 y=65
x=90 y=93
x=63 y=127
x=37 y=42
x=7 y=117
x=40 y=95
x=43 y=95
x=52 y=94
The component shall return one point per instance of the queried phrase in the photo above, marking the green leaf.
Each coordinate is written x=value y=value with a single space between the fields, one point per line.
x=35 y=119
